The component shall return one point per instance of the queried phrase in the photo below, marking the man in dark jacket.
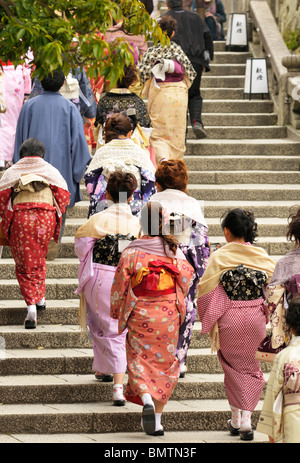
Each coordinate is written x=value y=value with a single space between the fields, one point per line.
x=194 y=37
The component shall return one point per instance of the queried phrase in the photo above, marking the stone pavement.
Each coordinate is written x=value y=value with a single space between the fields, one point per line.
x=177 y=438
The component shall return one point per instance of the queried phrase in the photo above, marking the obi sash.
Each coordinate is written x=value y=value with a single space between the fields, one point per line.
x=155 y=280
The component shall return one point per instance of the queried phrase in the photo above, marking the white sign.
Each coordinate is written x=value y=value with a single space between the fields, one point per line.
x=237 y=30
x=256 y=77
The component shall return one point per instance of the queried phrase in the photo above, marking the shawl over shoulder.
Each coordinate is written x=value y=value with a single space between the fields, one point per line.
x=230 y=256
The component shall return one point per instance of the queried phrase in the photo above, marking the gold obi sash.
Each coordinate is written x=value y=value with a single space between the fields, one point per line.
x=32 y=189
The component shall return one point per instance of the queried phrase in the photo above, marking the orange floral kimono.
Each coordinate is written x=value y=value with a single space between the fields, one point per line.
x=147 y=298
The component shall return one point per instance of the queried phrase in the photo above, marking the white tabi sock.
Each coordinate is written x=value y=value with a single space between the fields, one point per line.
x=118 y=392
x=235 y=417
x=246 y=421
x=42 y=302
x=31 y=312
x=147 y=399
x=158 y=425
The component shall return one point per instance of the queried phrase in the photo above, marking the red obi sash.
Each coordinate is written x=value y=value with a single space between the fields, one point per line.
x=155 y=280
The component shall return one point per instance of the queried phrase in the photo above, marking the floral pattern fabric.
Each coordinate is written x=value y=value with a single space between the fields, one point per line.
x=243 y=284
x=96 y=184
x=106 y=250
x=197 y=253
x=31 y=230
x=153 y=325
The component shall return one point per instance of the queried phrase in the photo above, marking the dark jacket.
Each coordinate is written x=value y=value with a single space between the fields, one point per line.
x=192 y=34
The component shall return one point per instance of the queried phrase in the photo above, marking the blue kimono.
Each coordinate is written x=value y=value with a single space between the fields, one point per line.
x=56 y=122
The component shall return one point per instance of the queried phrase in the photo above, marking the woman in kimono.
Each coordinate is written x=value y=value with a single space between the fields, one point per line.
x=97 y=244
x=16 y=85
x=189 y=227
x=119 y=153
x=33 y=198
x=231 y=308
x=280 y=416
x=151 y=282
x=167 y=74
x=284 y=285
x=122 y=100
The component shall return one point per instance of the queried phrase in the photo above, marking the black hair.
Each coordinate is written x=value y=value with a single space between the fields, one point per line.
x=53 y=81
x=292 y=315
x=174 y=3
x=116 y=125
x=32 y=147
x=152 y=225
x=130 y=76
x=121 y=185
x=168 y=24
x=241 y=224
x=293 y=231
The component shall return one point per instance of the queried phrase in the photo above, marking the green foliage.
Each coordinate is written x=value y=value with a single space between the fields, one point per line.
x=292 y=39
x=48 y=28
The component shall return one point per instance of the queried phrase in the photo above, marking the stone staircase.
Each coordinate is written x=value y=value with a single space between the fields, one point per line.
x=47 y=388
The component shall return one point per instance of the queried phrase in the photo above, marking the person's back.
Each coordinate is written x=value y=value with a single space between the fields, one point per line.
x=192 y=33
x=194 y=37
x=192 y=43
x=57 y=123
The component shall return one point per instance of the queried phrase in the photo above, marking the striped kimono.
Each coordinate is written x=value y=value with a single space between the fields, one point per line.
x=237 y=327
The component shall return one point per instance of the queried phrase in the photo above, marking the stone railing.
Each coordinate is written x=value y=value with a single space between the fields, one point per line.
x=285 y=67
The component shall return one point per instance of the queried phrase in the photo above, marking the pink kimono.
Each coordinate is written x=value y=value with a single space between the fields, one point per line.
x=16 y=83
x=96 y=280
x=152 y=313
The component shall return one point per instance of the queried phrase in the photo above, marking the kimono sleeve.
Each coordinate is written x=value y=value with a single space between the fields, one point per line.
x=184 y=280
x=4 y=198
x=211 y=307
x=122 y=298
x=270 y=422
x=62 y=197
x=79 y=148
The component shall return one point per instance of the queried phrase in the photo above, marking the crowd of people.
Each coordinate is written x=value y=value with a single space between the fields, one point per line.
x=146 y=265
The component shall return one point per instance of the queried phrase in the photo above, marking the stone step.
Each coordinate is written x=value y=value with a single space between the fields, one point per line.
x=238 y=119
x=140 y=438
x=58 y=268
x=237 y=106
x=230 y=57
x=212 y=208
x=210 y=81
x=271 y=183
x=55 y=289
x=283 y=164
x=48 y=389
x=274 y=245
x=240 y=176
x=241 y=132
x=266 y=227
x=179 y=415
x=222 y=93
x=227 y=69
x=245 y=192
x=220 y=46
x=38 y=360
x=260 y=209
x=53 y=336
x=276 y=147
x=58 y=312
